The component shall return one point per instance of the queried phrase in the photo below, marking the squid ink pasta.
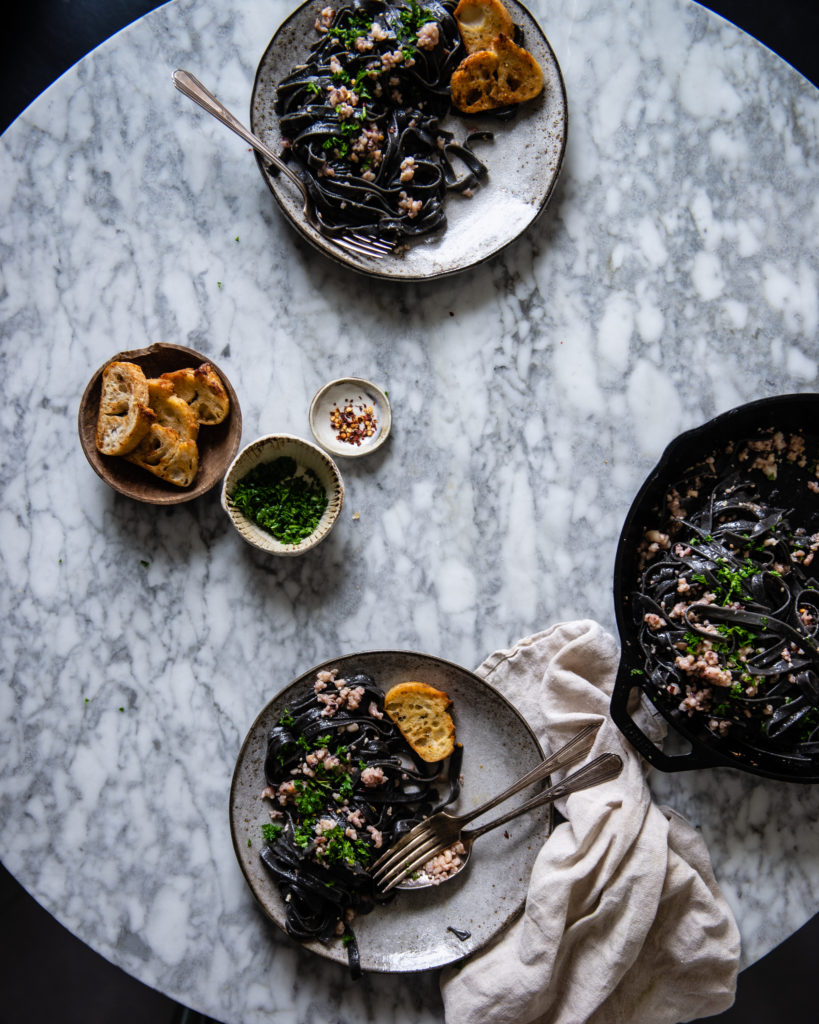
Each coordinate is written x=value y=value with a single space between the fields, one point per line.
x=361 y=117
x=343 y=785
x=728 y=602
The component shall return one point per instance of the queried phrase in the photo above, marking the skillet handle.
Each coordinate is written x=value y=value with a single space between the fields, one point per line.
x=695 y=758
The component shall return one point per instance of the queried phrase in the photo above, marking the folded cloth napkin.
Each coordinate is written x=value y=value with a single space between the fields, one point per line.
x=624 y=922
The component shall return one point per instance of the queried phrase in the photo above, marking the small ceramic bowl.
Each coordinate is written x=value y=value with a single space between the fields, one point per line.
x=340 y=394
x=217 y=444
x=306 y=455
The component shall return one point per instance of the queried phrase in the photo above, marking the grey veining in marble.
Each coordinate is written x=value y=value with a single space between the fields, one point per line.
x=673 y=276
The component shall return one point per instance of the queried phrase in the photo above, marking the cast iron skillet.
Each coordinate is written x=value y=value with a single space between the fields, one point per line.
x=797 y=413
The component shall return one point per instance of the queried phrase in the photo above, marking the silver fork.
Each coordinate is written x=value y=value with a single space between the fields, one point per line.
x=569 y=754
x=362 y=245
x=442 y=830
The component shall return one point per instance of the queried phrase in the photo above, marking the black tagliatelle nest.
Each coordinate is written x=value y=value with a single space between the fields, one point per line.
x=728 y=602
x=361 y=118
x=343 y=786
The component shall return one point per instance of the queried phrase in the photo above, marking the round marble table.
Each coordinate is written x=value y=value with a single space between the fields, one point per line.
x=673 y=276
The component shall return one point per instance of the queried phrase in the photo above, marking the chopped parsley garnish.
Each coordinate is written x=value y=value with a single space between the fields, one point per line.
x=808 y=723
x=359 y=83
x=270 y=832
x=357 y=25
x=340 y=847
x=732 y=580
x=330 y=845
x=317 y=791
x=345 y=787
x=311 y=795
x=412 y=18
x=303 y=835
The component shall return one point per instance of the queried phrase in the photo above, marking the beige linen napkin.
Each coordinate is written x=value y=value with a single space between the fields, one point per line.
x=624 y=922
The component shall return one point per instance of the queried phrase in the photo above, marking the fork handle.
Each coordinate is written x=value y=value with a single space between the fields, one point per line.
x=191 y=87
x=601 y=769
x=575 y=750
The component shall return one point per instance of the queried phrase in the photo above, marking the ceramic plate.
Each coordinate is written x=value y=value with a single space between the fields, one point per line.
x=341 y=394
x=524 y=161
x=412 y=933
x=308 y=457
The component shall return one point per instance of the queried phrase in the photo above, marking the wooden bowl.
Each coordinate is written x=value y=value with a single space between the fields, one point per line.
x=217 y=444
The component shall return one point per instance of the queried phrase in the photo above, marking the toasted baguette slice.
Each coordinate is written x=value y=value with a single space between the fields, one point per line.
x=520 y=77
x=474 y=82
x=171 y=411
x=420 y=712
x=204 y=392
x=163 y=453
x=497 y=77
x=124 y=417
x=481 y=21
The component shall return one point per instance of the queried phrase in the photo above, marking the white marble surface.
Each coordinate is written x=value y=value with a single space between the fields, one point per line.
x=673 y=276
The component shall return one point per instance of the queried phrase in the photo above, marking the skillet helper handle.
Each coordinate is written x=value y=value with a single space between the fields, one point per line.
x=643 y=745
x=601 y=769
x=572 y=752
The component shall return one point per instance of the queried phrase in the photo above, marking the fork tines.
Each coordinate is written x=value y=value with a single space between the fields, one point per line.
x=406 y=856
x=365 y=245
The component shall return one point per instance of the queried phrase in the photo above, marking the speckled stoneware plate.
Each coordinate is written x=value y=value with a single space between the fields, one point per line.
x=307 y=456
x=524 y=161
x=412 y=933
x=362 y=395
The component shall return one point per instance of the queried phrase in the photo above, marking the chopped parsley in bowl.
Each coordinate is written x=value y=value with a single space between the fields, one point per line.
x=283 y=494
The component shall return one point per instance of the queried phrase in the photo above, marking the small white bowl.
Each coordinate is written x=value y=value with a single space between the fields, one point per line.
x=267 y=449
x=356 y=392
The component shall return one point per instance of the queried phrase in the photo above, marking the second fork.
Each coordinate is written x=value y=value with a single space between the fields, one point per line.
x=569 y=754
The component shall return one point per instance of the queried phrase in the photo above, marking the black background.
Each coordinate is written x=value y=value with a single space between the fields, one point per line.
x=45 y=974
x=40 y=39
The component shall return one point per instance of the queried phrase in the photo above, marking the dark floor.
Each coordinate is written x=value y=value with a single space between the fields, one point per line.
x=47 y=975
x=83 y=988
x=40 y=39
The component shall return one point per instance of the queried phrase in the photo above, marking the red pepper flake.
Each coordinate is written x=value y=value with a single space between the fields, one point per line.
x=353 y=422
